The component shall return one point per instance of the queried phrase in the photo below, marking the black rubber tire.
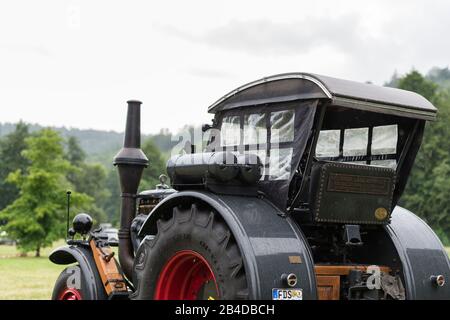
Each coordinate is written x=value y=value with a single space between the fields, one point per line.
x=62 y=281
x=203 y=231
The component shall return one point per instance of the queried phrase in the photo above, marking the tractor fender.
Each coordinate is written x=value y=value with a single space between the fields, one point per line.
x=83 y=256
x=422 y=256
x=271 y=244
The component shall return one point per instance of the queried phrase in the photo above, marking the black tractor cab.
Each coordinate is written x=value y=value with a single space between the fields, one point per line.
x=332 y=150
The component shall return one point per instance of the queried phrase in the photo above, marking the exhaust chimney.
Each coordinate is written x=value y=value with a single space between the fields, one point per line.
x=130 y=162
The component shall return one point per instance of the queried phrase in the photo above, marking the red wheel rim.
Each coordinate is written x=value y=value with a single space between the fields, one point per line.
x=186 y=276
x=70 y=294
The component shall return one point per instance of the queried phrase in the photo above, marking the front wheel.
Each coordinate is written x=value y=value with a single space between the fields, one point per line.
x=193 y=257
x=72 y=284
x=68 y=286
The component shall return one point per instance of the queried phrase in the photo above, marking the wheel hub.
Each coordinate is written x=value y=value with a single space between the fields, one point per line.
x=70 y=294
x=186 y=276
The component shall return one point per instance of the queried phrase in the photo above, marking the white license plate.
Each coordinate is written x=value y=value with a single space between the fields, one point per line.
x=287 y=294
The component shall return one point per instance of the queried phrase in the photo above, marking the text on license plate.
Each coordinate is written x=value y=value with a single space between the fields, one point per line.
x=287 y=294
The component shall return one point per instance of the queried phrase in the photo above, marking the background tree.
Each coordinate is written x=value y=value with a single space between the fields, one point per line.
x=440 y=76
x=75 y=154
x=414 y=81
x=11 y=147
x=87 y=178
x=428 y=190
x=157 y=165
x=112 y=205
x=36 y=218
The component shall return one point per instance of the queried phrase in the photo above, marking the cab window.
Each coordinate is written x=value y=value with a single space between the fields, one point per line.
x=269 y=135
x=230 y=131
x=281 y=138
x=255 y=131
x=375 y=146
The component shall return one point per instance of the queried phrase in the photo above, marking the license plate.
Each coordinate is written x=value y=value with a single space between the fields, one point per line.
x=287 y=294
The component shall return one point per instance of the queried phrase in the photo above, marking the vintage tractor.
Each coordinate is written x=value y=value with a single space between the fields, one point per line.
x=294 y=197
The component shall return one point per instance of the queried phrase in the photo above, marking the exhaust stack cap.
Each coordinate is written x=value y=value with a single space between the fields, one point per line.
x=131 y=153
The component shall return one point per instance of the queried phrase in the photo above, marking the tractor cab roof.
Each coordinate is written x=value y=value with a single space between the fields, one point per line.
x=343 y=93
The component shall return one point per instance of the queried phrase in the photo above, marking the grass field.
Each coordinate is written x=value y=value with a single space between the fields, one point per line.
x=29 y=277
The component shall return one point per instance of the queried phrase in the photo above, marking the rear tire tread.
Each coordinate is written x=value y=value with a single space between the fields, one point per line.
x=208 y=231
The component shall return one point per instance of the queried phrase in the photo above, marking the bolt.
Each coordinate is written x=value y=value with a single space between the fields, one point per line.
x=289 y=279
x=438 y=280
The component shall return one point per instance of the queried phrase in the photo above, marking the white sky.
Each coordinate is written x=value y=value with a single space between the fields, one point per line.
x=75 y=63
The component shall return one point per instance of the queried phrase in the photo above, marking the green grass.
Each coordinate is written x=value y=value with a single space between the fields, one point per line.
x=30 y=277
x=27 y=277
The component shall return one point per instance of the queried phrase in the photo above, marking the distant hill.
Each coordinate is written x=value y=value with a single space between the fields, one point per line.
x=100 y=146
x=96 y=143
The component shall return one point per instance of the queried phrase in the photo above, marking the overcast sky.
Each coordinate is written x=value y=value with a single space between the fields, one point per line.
x=75 y=63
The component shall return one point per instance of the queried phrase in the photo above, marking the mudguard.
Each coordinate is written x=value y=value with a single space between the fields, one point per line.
x=271 y=245
x=83 y=256
x=422 y=255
